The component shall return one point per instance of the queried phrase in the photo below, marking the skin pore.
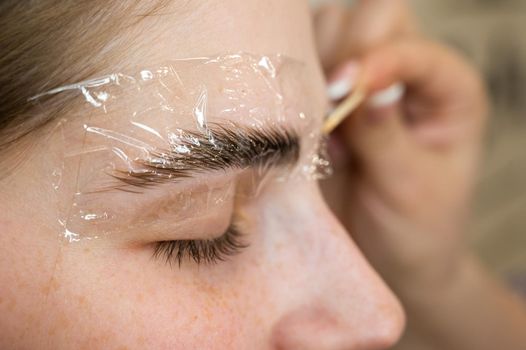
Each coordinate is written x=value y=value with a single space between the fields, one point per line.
x=300 y=284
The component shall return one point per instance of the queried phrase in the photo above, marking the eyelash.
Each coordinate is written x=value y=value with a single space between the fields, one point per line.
x=211 y=251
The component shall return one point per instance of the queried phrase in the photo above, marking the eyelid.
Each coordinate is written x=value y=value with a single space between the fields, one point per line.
x=162 y=213
x=208 y=252
x=186 y=221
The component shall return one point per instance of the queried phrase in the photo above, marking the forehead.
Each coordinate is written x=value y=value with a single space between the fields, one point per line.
x=202 y=27
x=205 y=28
x=161 y=45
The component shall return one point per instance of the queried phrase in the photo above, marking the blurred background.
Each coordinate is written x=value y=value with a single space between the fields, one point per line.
x=491 y=34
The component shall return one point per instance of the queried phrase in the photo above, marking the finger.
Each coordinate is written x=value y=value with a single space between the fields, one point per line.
x=379 y=140
x=342 y=33
x=373 y=23
x=437 y=77
x=446 y=100
x=330 y=23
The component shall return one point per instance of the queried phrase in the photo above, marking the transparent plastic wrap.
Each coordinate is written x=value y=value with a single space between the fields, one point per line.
x=191 y=134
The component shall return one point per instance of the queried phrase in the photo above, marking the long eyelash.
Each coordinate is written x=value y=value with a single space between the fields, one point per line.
x=209 y=251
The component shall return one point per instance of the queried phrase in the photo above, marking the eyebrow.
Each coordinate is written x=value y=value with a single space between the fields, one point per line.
x=221 y=147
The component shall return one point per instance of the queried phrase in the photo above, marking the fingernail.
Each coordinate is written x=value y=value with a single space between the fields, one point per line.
x=339 y=89
x=387 y=97
x=345 y=82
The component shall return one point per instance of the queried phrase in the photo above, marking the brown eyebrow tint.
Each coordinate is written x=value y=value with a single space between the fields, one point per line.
x=222 y=147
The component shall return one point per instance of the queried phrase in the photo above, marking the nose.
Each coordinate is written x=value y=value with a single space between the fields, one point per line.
x=332 y=298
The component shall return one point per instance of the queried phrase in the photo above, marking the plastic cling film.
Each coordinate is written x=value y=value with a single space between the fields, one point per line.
x=158 y=149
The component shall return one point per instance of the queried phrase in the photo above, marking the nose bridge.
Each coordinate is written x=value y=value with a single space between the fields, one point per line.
x=332 y=295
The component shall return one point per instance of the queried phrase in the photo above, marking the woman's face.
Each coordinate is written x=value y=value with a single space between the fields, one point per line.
x=299 y=282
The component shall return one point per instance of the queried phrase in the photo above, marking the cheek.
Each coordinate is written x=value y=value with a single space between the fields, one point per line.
x=27 y=259
x=110 y=297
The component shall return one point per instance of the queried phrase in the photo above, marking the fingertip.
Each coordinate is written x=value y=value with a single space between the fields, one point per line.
x=339 y=89
x=387 y=97
x=343 y=80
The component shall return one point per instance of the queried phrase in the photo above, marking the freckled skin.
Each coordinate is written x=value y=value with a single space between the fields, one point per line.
x=301 y=284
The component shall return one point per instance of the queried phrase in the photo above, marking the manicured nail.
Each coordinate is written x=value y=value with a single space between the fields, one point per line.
x=387 y=97
x=345 y=82
x=339 y=89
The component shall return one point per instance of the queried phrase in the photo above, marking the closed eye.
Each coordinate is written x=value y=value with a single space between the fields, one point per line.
x=209 y=251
